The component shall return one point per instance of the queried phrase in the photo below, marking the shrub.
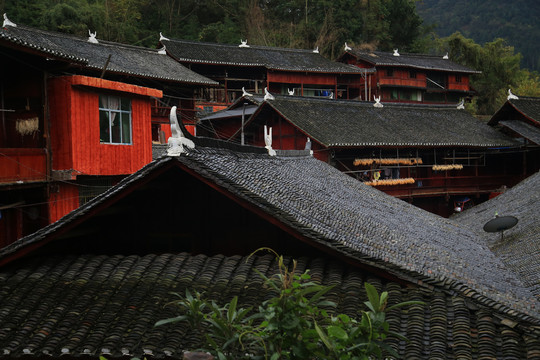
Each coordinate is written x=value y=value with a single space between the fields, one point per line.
x=294 y=324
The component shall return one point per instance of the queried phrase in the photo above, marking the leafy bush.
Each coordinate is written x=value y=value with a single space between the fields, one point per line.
x=294 y=324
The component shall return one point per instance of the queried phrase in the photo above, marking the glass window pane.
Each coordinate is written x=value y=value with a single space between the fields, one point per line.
x=126 y=128
x=126 y=104
x=104 y=135
x=115 y=128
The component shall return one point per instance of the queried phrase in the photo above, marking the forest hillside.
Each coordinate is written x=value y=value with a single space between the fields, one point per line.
x=517 y=21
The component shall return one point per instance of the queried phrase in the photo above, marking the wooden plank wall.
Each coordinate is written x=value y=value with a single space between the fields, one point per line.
x=24 y=164
x=63 y=201
x=300 y=78
x=75 y=132
x=59 y=90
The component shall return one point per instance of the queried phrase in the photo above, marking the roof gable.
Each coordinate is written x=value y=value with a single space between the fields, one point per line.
x=527 y=108
x=271 y=58
x=341 y=123
x=115 y=57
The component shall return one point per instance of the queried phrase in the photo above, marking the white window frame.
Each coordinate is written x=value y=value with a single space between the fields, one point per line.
x=116 y=114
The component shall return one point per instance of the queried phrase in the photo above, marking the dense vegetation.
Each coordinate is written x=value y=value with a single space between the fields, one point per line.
x=288 y=23
x=483 y=21
x=326 y=24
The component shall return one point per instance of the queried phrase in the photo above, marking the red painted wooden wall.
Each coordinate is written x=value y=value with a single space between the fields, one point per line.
x=63 y=200
x=74 y=109
x=299 y=78
x=22 y=164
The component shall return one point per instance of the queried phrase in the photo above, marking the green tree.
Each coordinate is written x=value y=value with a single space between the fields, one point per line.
x=528 y=84
x=499 y=66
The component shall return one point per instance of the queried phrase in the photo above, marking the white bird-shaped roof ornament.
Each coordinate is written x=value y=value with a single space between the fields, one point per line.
x=377 y=102
x=308 y=144
x=161 y=37
x=92 y=37
x=268 y=141
x=396 y=53
x=177 y=141
x=8 y=22
x=511 y=96
x=316 y=50
x=243 y=43
x=347 y=48
x=461 y=105
x=162 y=51
x=445 y=57
x=245 y=93
x=267 y=95
x=290 y=92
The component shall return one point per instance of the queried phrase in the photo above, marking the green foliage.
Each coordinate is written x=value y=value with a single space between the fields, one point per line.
x=498 y=63
x=297 y=323
x=515 y=21
x=291 y=23
x=528 y=84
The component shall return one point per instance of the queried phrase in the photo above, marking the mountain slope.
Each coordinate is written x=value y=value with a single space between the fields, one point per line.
x=483 y=21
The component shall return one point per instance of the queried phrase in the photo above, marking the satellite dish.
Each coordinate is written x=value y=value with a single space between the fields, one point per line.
x=500 y=223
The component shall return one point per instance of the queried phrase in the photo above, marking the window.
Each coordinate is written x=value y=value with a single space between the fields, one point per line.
x=412 y=74
x=390 y=72
x=114 y=120
x=458 y=78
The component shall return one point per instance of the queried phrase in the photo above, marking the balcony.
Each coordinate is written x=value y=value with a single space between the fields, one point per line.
x=454 y=185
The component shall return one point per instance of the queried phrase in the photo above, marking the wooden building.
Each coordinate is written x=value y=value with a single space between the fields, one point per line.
x=94 y=283
x=519 y=117
x=430 y=155
x=77 y=116
x=412 y=78
x=253 y=68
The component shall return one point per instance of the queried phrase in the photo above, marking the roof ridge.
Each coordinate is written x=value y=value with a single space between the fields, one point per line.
x=434 y=56
x=367 y=103
x=235 y=46
x=59 y=34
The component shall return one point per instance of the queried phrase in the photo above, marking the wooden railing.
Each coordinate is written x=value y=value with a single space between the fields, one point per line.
x=456 y=185
x=22 y=164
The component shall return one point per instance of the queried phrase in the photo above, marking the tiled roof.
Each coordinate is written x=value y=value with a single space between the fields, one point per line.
x=91 y=305
x=414 y=61
x=524 y=129
x=518 y=247
x=341 y=123
x=341 y=214
x=125 y=59
x=255 y=56
x=527 y=108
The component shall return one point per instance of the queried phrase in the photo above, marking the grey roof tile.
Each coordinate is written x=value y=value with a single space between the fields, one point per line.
x=528 y=106
x=344 y=215
x=345 y=123
x=125 y=59
x=519 y=247
x=91 y=305
x=363 y=223
x=524 y=129
x=413 y=61
x=256 y=56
